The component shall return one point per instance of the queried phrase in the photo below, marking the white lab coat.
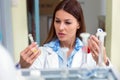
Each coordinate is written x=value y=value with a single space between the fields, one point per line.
x=49 y=59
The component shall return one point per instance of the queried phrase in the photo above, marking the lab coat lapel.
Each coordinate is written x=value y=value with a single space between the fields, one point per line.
x=52 y=59
x=77 y=59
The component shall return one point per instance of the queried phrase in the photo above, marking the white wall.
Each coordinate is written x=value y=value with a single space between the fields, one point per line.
x=20 y=31
x=113 y=29
x=92 y=9
x=115 y=37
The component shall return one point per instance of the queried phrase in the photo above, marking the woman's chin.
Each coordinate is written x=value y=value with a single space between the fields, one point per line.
x=62 y=39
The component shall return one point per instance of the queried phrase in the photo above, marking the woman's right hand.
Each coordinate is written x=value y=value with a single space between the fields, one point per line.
x=29 y=55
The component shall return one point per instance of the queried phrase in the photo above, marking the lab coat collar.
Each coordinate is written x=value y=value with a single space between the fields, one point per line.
x=55 y=44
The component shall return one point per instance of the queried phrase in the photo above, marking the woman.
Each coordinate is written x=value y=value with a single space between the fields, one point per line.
x=67 y=25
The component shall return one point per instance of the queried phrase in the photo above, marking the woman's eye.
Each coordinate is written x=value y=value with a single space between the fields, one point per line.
x=57 y=21
x=68 y=22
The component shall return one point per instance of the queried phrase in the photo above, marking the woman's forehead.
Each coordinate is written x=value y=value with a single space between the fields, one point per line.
x=62 y=14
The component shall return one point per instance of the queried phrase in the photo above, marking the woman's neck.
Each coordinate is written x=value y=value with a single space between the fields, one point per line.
x=69 y=44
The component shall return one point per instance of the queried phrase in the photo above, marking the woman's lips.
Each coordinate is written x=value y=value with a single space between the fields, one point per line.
x=61 y=34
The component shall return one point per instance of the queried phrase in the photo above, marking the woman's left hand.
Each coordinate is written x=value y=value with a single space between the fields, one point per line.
x=93 y=44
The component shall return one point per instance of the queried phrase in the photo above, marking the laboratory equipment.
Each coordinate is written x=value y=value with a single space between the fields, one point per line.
x=31 y=38
x=34 y=50
x=83 y=74
x=101 y=36
x=85 y=37
x=73 y=74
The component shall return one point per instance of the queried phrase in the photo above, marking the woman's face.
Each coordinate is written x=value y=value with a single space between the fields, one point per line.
x=66 y=26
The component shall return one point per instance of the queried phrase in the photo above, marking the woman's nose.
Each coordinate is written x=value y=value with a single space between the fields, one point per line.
x=62 y=26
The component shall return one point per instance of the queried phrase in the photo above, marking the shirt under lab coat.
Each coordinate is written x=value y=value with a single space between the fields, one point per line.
x=49 y=58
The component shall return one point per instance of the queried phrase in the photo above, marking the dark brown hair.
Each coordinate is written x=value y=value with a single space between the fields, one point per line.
x=73 y=7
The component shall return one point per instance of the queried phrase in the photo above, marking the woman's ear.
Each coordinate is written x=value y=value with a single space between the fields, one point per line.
x=78 y=27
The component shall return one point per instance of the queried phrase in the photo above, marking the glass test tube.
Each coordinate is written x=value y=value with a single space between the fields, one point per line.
x=31 y=38
x=101 y=35
x=85 y=37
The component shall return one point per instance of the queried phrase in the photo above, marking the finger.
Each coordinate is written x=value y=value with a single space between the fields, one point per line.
x=92 y=53
x=31 y=52
x=24 y=63
x=28 y=54
x=33 y=44
x=95 y=57
x=93 y=45
x=33 y=58
x=24 y=51
x=92 y=37
x=27 y=63
x=95 y=52
x=28 y=48
x=35 y=54
x=93 y=49
x=90 y=44
x=35 y=49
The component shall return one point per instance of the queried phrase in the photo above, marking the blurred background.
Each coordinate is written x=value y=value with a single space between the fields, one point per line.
x=18 y=18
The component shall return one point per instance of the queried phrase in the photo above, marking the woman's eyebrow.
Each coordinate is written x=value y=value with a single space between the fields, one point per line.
x=56 y=18
x=64 y=19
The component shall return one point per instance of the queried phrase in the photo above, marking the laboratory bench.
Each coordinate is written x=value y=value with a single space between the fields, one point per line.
x=97 y=73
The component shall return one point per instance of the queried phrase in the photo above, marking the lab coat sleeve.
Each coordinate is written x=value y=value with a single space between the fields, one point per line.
x=47 y=59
